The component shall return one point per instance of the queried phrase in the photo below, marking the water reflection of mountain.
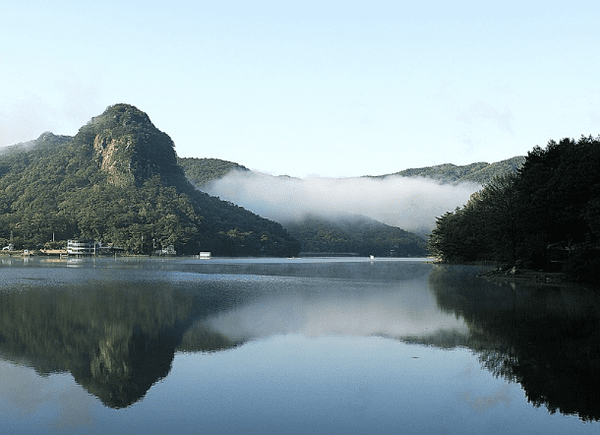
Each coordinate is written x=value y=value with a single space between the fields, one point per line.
x=118 y=336
x=545 y=338
x=115 y=341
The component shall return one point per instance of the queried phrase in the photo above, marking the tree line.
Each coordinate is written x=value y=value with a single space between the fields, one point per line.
x=480 y=172
x=355 y=234
x=545 y=216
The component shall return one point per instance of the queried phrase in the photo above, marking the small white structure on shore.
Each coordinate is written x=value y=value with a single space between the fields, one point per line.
x=169 y=250
x=204 y=255
x=87 y=247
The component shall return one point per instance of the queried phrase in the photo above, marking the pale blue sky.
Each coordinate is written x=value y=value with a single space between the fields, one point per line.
x=328 y=88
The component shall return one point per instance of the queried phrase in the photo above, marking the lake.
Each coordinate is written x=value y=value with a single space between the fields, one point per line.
x=291 y=346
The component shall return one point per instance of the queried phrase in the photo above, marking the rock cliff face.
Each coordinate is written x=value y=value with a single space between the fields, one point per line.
x=128 y=147
x=108 y=154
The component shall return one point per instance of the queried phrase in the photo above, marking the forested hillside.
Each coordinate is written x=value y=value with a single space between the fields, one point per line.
x=481 y=172
x=355 y=234
x=546 y=216
x=117 y=181
x=201 y=171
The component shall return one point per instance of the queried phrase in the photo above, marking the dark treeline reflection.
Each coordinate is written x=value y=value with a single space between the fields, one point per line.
x=545 y=338
x=116 y=339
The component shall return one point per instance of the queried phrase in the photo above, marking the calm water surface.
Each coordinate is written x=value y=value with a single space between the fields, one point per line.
x=291 y=346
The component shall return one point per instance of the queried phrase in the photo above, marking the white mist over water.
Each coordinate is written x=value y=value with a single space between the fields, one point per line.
x=409 y=203
x=399 y=310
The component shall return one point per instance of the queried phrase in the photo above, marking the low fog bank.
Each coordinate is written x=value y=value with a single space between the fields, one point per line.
x=409 y=203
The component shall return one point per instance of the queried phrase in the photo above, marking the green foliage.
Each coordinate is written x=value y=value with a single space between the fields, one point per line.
x=202 y=171
x=481 y=172
x=484 y=229
x=545 y=216
x=355 y=234
x=138 y=220
x=117 y=181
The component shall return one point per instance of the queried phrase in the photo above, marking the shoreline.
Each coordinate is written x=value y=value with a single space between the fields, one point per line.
x=513 y=274
x=504 y=273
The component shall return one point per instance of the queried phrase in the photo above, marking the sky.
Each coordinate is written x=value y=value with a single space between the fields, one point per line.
x=334 y=89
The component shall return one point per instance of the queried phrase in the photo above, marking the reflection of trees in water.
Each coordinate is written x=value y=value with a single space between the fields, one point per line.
x=115 y=340
x=545 y=338
x=118 y=339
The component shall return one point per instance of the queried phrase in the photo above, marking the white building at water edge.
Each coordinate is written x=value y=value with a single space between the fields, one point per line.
x=88 y=247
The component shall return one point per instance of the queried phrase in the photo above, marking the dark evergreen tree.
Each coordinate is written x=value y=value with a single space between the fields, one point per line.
x=546 y=216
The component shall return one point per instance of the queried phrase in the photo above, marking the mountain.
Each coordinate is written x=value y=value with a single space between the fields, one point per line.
x=339 y=233
x=355 y=234
x=202 y=171
x=342 y=233
x=481 y=172
x=118 y=181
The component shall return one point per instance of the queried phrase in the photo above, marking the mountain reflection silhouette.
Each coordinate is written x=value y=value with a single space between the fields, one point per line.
x=118 y=337
x=116 y=340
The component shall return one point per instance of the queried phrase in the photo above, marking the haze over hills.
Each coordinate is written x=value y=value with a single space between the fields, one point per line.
x=332 y=214
x=201 y=171
x=410 y=199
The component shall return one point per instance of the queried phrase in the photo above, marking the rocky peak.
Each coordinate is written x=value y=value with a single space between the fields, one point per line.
x=128 y=147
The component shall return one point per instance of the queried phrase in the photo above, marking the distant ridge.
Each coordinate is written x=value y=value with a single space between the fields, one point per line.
x=357 y=234
x=203 y=170
x=481 y=172
x=352 y=233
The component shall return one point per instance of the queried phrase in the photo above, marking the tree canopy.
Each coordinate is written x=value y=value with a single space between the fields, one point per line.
x=480 y=172
x=355 y=234
x=546 y=216
x=202 y=171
